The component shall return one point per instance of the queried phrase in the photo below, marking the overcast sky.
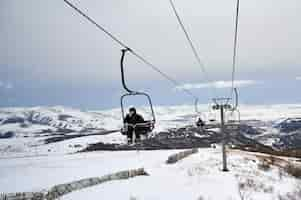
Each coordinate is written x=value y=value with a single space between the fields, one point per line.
x=49 y=55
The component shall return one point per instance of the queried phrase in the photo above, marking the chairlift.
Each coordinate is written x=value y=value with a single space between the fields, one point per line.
x=212 y=116
x=235 y=110
x=233 y=116
x=147 y=126
x=200 y=116
x=209 y=119
x=197 y=111
x=233 y=122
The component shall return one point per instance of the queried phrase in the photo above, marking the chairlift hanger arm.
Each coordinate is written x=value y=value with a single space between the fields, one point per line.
x=235 y=106
x=196 y=102
x=122 y=70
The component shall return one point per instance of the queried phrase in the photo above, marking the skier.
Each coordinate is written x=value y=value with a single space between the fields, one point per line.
x=132 y=119
x=200 y=123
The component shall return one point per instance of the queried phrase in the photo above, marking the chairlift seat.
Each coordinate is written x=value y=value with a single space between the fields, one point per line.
x=141 y=128
x=145 y=127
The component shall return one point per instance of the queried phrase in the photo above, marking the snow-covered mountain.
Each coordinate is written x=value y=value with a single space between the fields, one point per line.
x=289 y=125
x=47 y=120
x=283 y=134
x=28 y=158
x=63 y=119
x=275 y=125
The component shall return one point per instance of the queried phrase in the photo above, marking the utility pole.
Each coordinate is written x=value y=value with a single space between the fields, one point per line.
x=222 y=104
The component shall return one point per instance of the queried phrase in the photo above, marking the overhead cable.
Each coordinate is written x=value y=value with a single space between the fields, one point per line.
x=139 y=56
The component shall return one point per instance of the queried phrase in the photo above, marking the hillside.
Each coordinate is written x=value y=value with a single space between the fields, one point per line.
x=46 y=140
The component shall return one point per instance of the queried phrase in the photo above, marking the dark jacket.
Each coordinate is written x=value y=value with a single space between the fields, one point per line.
x=134 y=119
x=200 y=123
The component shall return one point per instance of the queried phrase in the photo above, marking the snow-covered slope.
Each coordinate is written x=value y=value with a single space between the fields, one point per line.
x=196 y=177
x=26 y=128
x=39 y=120
x=28 y=164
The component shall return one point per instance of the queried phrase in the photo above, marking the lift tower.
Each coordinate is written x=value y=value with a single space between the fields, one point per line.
x=222 y=104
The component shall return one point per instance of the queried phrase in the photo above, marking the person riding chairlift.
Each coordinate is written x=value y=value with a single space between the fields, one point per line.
x=133 y=118
x=200 y=123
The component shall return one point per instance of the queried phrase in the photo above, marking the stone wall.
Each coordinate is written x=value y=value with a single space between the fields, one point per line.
x=60 y=190
x=179 y=156
x=23 y=196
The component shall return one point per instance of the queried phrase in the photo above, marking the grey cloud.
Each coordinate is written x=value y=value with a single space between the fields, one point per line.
x=6 y=85
x=48 y=41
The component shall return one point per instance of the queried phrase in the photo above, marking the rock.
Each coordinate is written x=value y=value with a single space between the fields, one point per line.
x=249 y=130
x=290 y=141
x=64 y=130
x=13 y=120
x=179 y=156
x=7 y=135
x=23 y=196
x=60 y=190
x=64 y=117
x=289 y=125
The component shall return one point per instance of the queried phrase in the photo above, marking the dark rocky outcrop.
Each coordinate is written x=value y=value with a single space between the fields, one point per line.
x=182 y=138
x=6 y=135
x=58 y=137
x=250 y=130
x=192 y=137
x=289 y=141
x=64 y=117
x=13 y=120
x=289 y=125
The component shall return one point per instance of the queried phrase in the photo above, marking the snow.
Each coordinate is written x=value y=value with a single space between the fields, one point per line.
x=197 y=176
x=36 y=173
x=27 y=164
x=43 y=118
x=24 y=147
x=167 y=117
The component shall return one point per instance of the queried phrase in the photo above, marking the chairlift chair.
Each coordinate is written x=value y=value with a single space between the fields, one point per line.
x=235 y=110
x=233 y=122
x=199 y=114
x=212 y=116
x=147 y=126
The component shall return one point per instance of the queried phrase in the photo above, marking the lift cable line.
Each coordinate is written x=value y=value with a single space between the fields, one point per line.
x=188 y=38
x=172 y=80
x=235 y=48
x=96 y=24
x=165 y=75
x=195 y=52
